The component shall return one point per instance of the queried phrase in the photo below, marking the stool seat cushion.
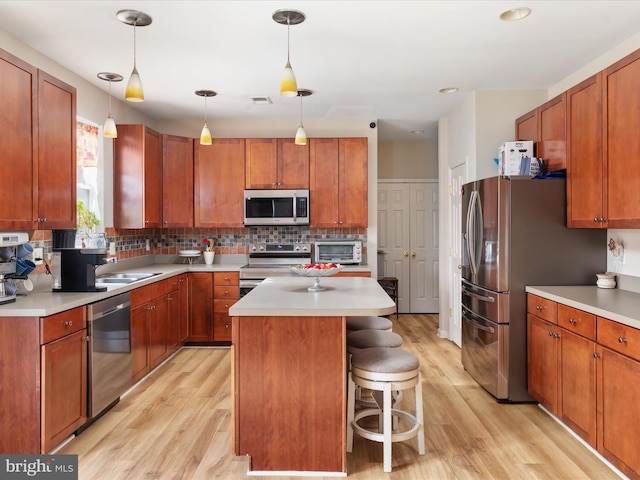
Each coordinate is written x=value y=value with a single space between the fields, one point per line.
x=384 y=360
x=373 y=338
x=369 y=323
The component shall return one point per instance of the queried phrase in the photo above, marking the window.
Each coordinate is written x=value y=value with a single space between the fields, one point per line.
x=87 y=172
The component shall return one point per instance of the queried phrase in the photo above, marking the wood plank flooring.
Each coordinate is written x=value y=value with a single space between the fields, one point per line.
x=176 y=424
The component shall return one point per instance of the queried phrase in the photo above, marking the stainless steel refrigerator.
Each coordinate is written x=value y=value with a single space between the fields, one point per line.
x=514 y=234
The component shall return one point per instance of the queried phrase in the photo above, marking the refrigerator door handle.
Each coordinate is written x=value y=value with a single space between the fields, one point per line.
x=471 y=232
x=484 y=298
x=477 y=325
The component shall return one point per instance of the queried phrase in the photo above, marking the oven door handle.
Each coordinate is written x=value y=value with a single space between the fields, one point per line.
x=477 y=325
x=484 y=298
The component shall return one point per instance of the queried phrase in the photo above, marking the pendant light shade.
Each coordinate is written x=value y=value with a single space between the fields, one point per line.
x=301 y=134
x=288 y=84
x=135 y=92
x=109 y=130
x=205 y=135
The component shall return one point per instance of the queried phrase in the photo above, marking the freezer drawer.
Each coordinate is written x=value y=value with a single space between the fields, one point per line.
x=485 y=348
x=486 y=303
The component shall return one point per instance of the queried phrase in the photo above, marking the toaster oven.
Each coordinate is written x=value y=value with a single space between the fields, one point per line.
x=338 y=251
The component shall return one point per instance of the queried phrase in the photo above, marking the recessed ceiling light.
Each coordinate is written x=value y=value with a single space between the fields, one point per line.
x=260 y=100
x=515 y=14
x=448 y=90
x=417 y=132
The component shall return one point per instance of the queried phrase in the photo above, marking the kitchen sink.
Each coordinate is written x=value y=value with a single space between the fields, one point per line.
x=122 y=278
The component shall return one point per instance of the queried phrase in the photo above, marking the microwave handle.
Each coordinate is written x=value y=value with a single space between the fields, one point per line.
x=295 y=207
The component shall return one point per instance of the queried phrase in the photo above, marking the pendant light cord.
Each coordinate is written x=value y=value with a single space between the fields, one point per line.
x=135 y=23
x=109 y=97
x=301 y=110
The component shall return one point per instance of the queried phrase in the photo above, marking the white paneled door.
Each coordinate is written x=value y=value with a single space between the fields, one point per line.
x=408 y=236
x=456 y=180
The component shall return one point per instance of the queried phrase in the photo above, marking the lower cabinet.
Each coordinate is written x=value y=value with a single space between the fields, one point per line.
x=210 y=297
x=586 y=371
x=154 y=326
x=43 y=385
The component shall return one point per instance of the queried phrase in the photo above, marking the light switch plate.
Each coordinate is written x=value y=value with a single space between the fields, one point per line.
x=112 y=248
x=37 y=255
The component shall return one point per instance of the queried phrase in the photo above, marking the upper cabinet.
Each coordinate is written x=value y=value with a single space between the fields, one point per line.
x=177 y=181
x=276 y=163
x=338 y=191
x=603 y=148
x=38 y=122
x=219 y=183
x=137 y=178
x=546 y=126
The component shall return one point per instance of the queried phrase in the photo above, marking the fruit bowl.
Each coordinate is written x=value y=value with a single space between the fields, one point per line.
x=316 y=270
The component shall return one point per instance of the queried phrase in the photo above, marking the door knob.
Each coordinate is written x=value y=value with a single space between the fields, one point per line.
x=406 y=254
x=413 y=254
x=459 y=267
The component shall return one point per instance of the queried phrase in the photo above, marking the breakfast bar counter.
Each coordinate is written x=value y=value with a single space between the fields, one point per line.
x=289 y=371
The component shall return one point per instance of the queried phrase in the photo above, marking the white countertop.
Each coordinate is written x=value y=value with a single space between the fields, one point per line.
x=288 y=296
x=622 y=306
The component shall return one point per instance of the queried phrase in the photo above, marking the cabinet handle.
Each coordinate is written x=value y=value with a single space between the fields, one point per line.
x=572 y=321
x=87 y=338
x=538 y=307
x=550 y=333
x=622 y=339
x=596 y=355
x=226 y=306
x=226 y=325
x=68 y=323
x=226 y=292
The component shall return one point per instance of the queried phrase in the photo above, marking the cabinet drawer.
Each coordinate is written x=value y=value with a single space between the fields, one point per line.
x=147 y=293
x=222 y=328
x=619 y=337
x=226 y=291
x=61 y=324
x=223 y=306
x=577 y=321
x=226 y=278
x=543 y=308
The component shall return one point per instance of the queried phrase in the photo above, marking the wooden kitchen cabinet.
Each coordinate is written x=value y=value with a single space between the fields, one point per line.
x=276 y=163
x=542 y=362
x=177 y=181
x=618 y=392
x=226 y=292
x=546 y=127
x=219 y=183
x=39 y=148
x=200 y=307
x=179 y=311
x=338 y=190
x=43 y=386
x=137 y=178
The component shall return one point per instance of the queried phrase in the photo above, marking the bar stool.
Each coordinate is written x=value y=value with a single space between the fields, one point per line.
x=384 y=370
x=368 y=323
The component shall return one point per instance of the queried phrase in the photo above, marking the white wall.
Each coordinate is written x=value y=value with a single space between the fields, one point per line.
x=408 y=159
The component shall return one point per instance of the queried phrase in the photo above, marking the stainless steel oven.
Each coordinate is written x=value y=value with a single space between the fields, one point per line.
x=271 y=260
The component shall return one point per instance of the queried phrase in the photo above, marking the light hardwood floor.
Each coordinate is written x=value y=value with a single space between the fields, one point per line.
x=176 y=424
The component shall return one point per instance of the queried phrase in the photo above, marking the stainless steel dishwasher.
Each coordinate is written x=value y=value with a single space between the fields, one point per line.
x=109 y=351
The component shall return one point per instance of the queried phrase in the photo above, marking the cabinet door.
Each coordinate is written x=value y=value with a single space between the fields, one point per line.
x=137 y=178
x=578 y=384
x=552 y=133
x=261 y=163
x=184 y=308
x=527 y=127
x=56 y=190
x=139 y=342
x=219 y=183
x=586 y=171
x=173 y=321
x=293 y=164
x=618 y=393
x=200 y=307
x=621 y=87
x=18 y=114
x=177 y=181
x=158 y=317
x=542 y=360
x=323 y=185
x=64 y=388
x=353 y=198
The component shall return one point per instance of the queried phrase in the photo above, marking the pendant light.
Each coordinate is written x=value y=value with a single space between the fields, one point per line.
x=109 y=130
x=288 y=84
x=301 y=135
x=205 y=135
x=134 y=92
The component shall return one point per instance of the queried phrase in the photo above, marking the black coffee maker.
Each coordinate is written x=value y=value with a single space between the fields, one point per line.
x=78 y=269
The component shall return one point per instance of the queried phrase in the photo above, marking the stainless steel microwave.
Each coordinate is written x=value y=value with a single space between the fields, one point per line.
x=276 y=207
x=338 y=251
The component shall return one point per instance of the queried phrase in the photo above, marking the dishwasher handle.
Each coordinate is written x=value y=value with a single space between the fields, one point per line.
x=102 y=314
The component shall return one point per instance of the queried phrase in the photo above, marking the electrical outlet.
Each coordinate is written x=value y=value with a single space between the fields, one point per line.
x=147 y=246
x=37 y=255
x=112 y=248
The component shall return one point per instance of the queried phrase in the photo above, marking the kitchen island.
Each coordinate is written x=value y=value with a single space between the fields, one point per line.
x=289 y=371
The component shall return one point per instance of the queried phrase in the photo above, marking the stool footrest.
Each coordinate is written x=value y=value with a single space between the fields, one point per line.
x=379 y=436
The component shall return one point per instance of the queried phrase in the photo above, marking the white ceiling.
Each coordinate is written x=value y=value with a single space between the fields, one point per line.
x=375 y=60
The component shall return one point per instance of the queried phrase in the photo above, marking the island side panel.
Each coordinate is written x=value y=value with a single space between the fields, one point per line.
x=290 y=392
